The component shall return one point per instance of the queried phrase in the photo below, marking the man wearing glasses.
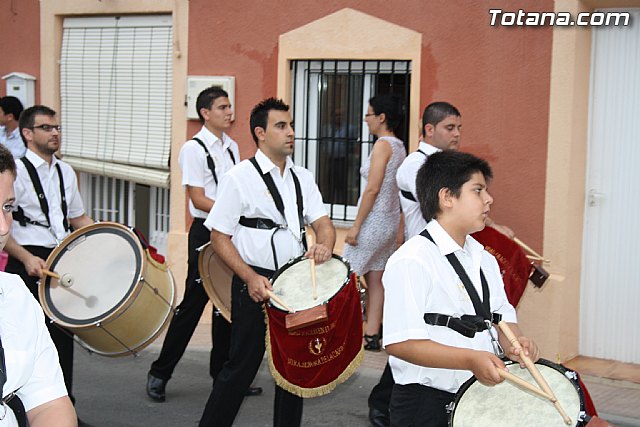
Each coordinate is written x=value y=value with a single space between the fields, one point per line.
x=48 y=207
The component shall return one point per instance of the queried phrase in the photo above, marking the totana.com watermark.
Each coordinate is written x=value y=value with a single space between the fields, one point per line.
x=537 y=19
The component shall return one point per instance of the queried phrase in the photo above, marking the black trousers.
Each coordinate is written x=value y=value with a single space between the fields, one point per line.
x=247 y=350
x=62 y=338
x=380 y=395
x=185 y=321
x=415 y=405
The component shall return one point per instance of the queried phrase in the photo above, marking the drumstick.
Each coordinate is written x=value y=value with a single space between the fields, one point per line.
x=312 y=265
x=50 y=273
x=524 y=384
x=279 y=301
x=528 y=249
x=506 y=330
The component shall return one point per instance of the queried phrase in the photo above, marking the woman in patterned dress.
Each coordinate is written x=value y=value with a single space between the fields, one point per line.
x=372 y=238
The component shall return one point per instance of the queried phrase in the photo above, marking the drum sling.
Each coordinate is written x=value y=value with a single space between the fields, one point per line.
x=11 y=400
x=468 y=325
x=19 y=215
x=212 y=166
x=268 y=224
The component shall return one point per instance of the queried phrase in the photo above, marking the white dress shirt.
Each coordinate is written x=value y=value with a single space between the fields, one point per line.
x=414 y=222
x=27 y=198
x=418 y=279
x=242 y=192
x=195 y=169
x=31 y=358
x=13 y=142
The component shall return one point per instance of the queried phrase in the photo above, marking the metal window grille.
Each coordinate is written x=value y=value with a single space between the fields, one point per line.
x=330 y=98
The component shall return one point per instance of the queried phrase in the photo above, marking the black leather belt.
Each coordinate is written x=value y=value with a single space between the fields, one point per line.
x=259 y=223
x=467 y=325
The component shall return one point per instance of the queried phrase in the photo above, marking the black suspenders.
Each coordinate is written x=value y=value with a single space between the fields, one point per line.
x=44 y=205
x=268 y=224
x=212 y=166
x=407 y=194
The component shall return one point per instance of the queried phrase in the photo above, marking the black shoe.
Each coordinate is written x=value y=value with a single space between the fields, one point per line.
x=378 y=418
x=372 y=342
x=253 y=391
x=155 y=388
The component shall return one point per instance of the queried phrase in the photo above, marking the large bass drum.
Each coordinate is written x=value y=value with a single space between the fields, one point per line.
x=216 y=279
x=111 y=294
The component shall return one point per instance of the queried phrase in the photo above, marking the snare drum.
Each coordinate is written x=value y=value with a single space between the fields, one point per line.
x=508 y=405
x=111 y=293
x=313 y=360
x=216 y=280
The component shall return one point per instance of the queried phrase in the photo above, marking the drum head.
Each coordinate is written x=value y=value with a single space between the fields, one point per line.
x=216 y=279
x=508 y=405
x=292 y=283
x=99 y=267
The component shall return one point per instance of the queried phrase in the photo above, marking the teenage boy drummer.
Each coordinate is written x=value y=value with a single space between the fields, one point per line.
x=431 y=362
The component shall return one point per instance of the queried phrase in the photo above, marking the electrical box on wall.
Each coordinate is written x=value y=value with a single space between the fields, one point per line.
x=22 y=86
x=196 y=84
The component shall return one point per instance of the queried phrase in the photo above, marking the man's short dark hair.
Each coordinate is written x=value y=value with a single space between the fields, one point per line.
x=437 y=112
x=391 y=106
x=27 y=118
x=446 y=169
x=7 y=162
x=260 y=114
x=206 y=98
x=11 y=105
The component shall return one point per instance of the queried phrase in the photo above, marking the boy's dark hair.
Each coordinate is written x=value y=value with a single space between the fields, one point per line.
x=7 y=162
x=11 y=105
x=260 y=114
x=437 y=112
x=391 y=106
x=27 y=118
x=206 y=98
x=446 y=169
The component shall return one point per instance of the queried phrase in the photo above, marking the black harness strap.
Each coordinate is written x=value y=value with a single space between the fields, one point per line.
x=268 y=224
x=407 y=194
x=210 y=163
x=12 y=400
x=44 y=205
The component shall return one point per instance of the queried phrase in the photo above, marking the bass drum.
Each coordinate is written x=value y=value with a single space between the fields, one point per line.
x=111 y=294
x=216 y=280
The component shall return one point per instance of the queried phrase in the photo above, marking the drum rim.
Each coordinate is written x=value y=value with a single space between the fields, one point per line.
x=558 y=367
x=215 y=299
x=294 y=261
x=134 y=288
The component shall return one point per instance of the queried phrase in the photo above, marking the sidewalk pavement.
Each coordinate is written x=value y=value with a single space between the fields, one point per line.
x=111 y=392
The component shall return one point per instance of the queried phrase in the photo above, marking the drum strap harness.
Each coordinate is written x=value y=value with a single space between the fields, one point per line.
x=268 y=224
x=468 y=325
x=19 y=215
x=12 y=400
x=407 y=194
x=210 y=163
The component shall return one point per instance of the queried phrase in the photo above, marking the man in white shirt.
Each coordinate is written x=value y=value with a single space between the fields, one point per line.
x=257 y=226
x=10 y=110
x=433 y=280
x=204 y=159
x=43 y=220
x=31 y=385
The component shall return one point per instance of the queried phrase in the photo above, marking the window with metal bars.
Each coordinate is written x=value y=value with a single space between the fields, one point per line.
x=330 y=98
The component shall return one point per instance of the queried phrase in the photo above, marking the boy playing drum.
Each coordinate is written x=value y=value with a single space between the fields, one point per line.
x=433 y=348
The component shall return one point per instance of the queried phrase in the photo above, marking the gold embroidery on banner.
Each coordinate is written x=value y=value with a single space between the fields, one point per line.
x=316 y=346
x=315 y=331
x=317 y=362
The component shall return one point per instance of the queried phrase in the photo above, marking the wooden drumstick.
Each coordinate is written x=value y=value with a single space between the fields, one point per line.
x=50 y=273
x=279 y=301
x=506 y=330
x=524 y=246
x=524 y=384
x=312 y=265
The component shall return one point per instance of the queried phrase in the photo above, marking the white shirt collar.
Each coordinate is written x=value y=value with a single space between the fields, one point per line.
x=447 y=245
x=37 y=161
x=266 y=165
x=210 y=138
x=427 y=148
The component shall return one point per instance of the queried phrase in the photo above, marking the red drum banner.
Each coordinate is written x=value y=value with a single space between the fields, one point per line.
x=313 y=360
x=514 y=264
